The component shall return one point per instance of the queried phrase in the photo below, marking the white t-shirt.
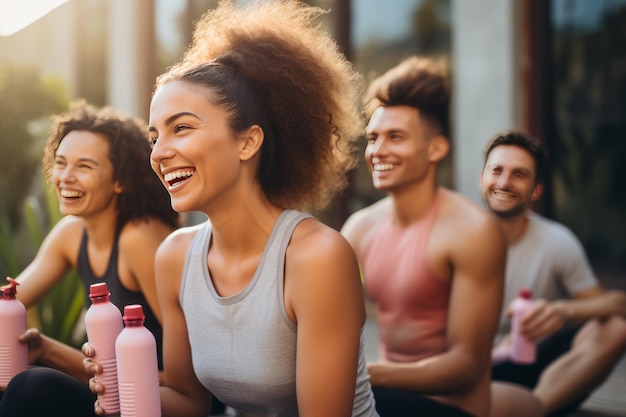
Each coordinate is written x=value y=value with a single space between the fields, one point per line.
x=550 y=260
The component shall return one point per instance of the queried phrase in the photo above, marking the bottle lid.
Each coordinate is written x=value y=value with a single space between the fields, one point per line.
x=133 y=312
x=525 y=293
x=98 y=290
x=9 y=290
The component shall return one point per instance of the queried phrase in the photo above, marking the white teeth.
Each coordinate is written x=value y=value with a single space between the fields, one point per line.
x=178 y=174
x=503 y=194
x=70 y=193
x=383 y=167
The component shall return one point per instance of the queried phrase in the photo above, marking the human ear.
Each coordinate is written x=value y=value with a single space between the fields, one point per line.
x=252 y=139
x=117 y=188
x=536 y=192
x=438 y=148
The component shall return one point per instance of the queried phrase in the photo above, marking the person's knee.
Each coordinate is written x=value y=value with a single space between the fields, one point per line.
x=616 y=333
x=509 y=400
x=36 y=391
x=606 y=339
x=29 y=383
x=612 y=337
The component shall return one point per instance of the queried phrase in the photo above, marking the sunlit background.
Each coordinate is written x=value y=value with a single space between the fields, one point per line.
x=16 y=15
x=556 y=68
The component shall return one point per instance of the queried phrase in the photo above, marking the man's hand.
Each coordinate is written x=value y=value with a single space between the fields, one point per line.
x=544 y=319
x=376 y=371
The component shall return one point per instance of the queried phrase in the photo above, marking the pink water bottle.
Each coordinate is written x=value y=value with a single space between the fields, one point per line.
x=523 y=351
x=138 y=369
x=13 y=353
x=103 y=322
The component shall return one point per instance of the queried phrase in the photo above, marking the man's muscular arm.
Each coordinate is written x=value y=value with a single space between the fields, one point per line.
x=477 y=274
x=547 y=317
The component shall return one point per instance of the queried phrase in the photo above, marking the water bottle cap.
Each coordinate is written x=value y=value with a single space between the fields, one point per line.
x=9 y=290
x=526 y=293
x=133 y=312
x=98 y=290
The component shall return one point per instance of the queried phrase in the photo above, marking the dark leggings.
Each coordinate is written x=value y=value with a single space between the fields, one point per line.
x=44 y=392
x=401 y=403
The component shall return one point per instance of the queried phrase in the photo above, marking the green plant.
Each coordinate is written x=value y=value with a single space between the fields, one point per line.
x=8 y=255
x=27 y=100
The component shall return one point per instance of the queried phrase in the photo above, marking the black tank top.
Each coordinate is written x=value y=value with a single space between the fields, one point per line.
x=120 y=296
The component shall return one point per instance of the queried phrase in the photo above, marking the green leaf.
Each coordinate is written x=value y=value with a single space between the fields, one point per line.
x=8 y=255
x=30 y=209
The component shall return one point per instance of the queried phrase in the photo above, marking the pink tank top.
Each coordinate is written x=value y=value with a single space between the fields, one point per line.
x=412 y=303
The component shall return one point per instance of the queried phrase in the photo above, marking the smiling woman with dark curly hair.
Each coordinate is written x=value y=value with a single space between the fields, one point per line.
x=116 y=213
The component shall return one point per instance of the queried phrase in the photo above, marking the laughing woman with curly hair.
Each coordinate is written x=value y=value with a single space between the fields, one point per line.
x=262 y=303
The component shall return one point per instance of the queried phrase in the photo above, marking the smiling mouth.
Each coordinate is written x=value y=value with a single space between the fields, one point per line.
x=175 y=178
x=503 y=194
x=71 y=193
x=383 y=167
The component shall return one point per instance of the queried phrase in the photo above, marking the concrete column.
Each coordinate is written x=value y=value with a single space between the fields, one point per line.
x=131 y=68
x=483 y=84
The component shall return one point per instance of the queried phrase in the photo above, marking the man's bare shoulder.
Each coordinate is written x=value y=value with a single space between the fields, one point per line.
x=457 y=206
x=460 y=216
x=469 y=238
x=359 y=226
x=368 y=215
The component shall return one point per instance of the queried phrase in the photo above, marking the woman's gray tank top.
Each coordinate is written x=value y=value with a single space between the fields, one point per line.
x=244 y=346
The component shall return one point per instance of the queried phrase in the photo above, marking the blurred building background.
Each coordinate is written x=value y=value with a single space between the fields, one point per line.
x=556 y=68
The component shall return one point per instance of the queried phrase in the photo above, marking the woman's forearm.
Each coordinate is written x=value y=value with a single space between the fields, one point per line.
x=64 y=358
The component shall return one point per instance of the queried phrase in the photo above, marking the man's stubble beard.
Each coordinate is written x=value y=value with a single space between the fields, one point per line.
x=515 y=211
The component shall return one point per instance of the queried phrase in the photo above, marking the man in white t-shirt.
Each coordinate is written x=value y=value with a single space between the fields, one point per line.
x=580 y=327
